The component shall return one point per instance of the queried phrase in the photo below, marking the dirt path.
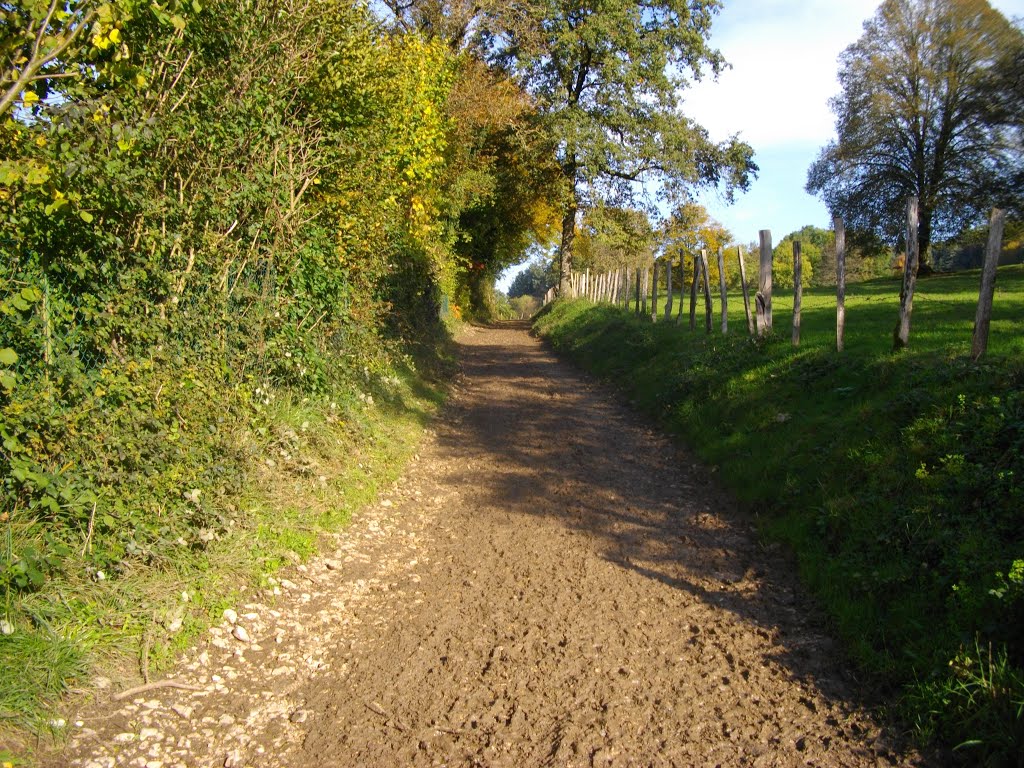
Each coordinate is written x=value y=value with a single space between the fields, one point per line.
x=552 y=583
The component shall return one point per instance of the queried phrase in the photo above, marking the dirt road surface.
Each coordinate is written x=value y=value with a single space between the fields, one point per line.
x=552 y=583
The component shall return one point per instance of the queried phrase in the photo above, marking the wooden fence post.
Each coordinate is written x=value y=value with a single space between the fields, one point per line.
x=668 y=288
x=840 y=230
x=643 y=293
x=798 y=290
x=693 y=292
x=654 y=292
x=637 y=289
x=746 y=291
x=706 y=282
x=983 y=318
x=722 y=291
x=763 y=299
x=682 y=288
x=901 y=334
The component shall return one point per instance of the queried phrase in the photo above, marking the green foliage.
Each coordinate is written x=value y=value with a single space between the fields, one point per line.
x=895 y=479
x=930 y=107
x=206 y=209
x=608 y=78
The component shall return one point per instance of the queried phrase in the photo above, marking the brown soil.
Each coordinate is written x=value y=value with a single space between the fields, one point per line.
x=551 y=583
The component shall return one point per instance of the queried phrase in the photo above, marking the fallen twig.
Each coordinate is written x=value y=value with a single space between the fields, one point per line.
x=152 y=687
x=378 y=709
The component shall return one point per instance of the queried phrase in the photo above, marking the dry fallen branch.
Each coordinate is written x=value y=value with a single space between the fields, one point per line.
x=152 y=687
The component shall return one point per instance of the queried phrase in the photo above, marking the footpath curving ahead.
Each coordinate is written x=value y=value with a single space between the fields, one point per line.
x=551 y=583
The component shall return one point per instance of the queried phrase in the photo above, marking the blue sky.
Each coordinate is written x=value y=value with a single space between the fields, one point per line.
x=775 y=96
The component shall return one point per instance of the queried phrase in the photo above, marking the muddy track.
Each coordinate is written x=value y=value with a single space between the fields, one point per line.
x=551 y=583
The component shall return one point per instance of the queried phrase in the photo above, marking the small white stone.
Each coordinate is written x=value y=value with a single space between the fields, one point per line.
x=6 y=628
x=150 y=733
x=250 y=616
x=230 y=615
x=240 y=634
x=58 y=722
x=155 y=764
x=182 y=710
x=124 y=738
x=386 y=503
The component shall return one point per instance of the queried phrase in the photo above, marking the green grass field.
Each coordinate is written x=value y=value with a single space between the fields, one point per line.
x=896 y=478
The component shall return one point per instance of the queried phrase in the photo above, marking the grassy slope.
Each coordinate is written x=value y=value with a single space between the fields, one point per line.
x=896 y=478
x=312 y=464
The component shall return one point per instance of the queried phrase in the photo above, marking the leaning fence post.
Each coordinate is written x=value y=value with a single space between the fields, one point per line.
x=705 y=281
x=654 y=292
x=837 y=223
x=798 y=290
x=693 y=292
x=746 y=291
x=763 y=299
x=983 y=318
x=668 y=288
x=721 y=288
x=901 y=335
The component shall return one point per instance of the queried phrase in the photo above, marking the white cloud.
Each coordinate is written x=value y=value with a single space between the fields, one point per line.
x=784 y=61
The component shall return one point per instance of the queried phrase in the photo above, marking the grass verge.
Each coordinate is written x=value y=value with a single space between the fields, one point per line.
x=310 y=462
x=897 y=479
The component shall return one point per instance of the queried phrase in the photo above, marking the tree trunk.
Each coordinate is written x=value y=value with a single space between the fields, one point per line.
x=901 y=334
x=568 y=235
x=636 y=289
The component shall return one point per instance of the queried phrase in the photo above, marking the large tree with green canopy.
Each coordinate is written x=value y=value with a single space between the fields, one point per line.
x=931 y=107
x=608 y=77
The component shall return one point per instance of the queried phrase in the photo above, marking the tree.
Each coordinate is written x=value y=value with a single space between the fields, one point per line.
x=930 y=106
x=608 y=76
x=691 y=228
x=610 y=237
x=532 y=281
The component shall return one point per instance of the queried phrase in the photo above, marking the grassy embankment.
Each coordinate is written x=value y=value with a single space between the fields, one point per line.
x=307 y=465
x=897 y=479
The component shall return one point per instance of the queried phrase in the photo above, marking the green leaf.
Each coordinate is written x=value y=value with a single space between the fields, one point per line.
x=8 y=356
x=86 y=216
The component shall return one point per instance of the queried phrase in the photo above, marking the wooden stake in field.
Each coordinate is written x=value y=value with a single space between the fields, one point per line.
x=682 y=288
x=901 y=334
x=746 y=291
x=693 y=292
x=837 y=224
x=654 y=292
x=643 y=293
x=668 y=288
x=798 y=290
x=705 y=280
x=722 y=291
x=983 y=318
x=763 y=299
